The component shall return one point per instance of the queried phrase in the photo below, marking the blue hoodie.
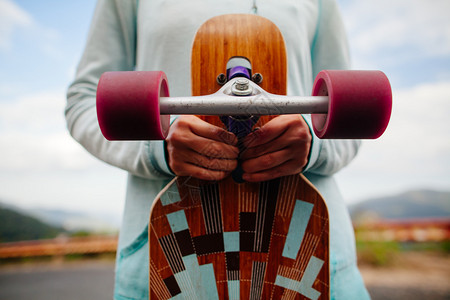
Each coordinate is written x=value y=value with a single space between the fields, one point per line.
x=157 y=35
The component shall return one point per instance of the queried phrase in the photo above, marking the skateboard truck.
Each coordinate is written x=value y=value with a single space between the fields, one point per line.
x=345 y=104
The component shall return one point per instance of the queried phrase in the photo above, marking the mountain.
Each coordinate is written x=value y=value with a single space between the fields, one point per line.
x=413 y=204
x=15 y=226
x=75 y=221
x=69 y=221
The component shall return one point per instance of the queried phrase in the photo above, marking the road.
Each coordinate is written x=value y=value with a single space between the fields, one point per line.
x=88 y=280
x=69 y=281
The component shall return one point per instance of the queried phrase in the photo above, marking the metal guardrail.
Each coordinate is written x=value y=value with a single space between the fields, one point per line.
x=59 y=246
x=413 y=230
x=418 y=230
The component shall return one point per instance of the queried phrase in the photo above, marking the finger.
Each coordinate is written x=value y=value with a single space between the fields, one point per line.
x=260 y=150
x=266 y=162
x=202 y=173
x=184 y=140
x=283 y=170
x=179 y=159
x=218 y=164
x=293 y=132
x=270 y=131
x=213 y=149
x=212 y=132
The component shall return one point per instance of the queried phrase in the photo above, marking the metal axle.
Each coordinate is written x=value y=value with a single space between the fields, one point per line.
x=224 y=103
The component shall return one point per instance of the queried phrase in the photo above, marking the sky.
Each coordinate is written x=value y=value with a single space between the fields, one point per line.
x=41 y=43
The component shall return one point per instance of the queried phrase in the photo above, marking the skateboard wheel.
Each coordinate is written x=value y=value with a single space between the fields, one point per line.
x=128 y=105
x=359 y=105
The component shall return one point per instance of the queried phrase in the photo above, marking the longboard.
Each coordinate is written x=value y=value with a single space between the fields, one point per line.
x=229 y=240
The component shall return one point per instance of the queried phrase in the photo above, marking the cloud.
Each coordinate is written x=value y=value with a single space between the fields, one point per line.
x=419 y=132
x=41 y=165
x=33 y=135
x=417 y=28
x=12 y=18
x=415 y=150
x=15 y=21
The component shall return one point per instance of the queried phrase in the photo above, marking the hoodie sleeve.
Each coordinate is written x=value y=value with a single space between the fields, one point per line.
x=329 y=50
x=111 y=46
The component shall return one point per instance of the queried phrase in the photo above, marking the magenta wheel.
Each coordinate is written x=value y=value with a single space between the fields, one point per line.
x=128 y=105
x=360 y=104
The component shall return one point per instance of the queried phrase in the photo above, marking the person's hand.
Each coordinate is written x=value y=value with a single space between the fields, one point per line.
x=199 y=149
x=279 y=148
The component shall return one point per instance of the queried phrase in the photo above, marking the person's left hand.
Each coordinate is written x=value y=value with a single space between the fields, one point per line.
x=279 y=148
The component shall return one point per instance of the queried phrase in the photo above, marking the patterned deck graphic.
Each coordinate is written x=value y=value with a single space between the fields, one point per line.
x=248 y=241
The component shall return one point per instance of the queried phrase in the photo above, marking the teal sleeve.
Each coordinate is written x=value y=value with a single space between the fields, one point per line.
x=329 y=50
x=111 y=45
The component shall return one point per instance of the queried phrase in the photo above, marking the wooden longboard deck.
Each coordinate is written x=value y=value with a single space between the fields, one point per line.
x=224 y=240
x=239 y=241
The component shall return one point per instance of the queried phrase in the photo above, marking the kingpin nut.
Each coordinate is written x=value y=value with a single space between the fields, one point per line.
x=241 y=87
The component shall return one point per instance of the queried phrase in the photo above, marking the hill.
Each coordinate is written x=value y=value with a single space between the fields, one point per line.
x=18 y=227
x=77 y=221
x=409 y=205
x=67 y=220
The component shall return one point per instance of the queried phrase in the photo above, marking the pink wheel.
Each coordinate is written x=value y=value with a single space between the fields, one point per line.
x=128 y=105
x=359 y=106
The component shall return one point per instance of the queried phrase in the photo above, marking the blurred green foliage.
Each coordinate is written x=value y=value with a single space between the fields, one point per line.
x=386 y=253
x=18 y=227
x=377 y=253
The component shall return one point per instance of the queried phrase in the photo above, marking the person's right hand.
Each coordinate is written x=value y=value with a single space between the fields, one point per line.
x=199 y=149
